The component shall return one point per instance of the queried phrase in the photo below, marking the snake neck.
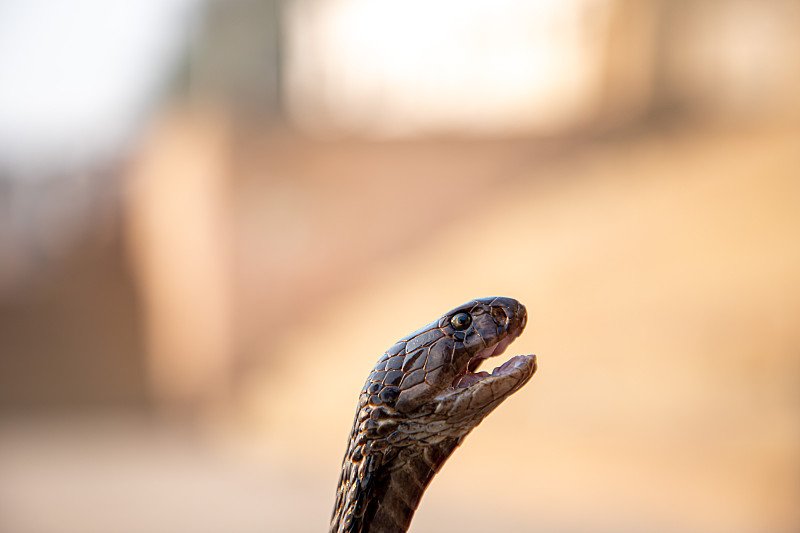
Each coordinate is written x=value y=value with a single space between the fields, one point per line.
x=380 y=492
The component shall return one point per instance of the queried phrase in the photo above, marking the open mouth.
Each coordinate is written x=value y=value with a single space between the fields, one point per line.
x=471 y=375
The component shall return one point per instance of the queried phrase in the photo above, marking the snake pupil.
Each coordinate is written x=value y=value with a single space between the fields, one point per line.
x=461 y=321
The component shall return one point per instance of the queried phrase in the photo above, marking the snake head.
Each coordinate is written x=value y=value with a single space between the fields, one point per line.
x=436 y=367
x=421 y=399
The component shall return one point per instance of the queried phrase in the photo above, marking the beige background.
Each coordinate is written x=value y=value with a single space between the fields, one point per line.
x=188 y=359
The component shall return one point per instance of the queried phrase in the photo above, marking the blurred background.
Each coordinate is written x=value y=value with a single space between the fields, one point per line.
x=216 y=215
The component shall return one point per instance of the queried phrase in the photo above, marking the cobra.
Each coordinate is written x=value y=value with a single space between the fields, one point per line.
x=422 y=398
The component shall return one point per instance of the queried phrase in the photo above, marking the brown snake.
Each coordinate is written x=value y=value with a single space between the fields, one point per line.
x=421 y=400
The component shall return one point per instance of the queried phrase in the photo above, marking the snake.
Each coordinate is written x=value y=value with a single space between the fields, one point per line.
x=422 y=398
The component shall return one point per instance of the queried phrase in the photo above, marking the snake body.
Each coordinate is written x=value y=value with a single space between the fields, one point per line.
x=420 y=401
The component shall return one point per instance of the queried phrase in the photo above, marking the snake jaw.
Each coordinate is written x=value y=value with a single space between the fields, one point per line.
x=469 y=374
x=477 y=394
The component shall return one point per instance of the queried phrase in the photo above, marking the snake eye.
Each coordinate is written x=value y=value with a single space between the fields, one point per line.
x=461 y=321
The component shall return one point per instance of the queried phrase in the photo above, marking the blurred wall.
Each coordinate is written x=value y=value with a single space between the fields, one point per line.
x=347 y=67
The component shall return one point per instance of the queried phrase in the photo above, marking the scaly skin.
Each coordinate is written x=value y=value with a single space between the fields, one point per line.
x=419 y=403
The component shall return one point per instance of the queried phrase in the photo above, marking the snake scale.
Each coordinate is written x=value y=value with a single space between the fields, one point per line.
x=420 y=401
